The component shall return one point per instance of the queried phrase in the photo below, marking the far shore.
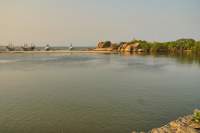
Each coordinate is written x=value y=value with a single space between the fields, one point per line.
x=59 y=51
x=179 y=46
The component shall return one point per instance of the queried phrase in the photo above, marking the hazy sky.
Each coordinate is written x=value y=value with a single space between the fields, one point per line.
x=85 y=22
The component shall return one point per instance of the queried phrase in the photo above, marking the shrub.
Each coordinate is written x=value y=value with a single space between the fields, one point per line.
x=107 y=44
x=196 y=116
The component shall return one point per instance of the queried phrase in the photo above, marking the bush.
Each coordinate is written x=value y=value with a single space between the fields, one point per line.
x=196 y=116
x=107 y=44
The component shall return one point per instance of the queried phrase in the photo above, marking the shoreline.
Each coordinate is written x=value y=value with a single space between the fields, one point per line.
x=93 y=52
x=58 y=51
x=183 y=124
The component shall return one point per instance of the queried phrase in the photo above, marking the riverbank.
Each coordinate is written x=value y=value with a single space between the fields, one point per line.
x=184 y=124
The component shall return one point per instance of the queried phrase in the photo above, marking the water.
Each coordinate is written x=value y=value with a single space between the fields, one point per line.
x=95 y=93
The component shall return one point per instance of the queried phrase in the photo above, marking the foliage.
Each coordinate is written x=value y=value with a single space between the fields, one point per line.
x=185 y=43
x=145 y=46
x=179 y=45
x=159 y=47
x=107 y=44
x=196 y=47
x=196 y=116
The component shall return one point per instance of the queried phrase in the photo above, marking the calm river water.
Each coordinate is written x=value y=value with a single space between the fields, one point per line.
x=95 y=93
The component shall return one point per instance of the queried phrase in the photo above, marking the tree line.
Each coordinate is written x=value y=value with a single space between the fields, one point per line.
x=179 y=45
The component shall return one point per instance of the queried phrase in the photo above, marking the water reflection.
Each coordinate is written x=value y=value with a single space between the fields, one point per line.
x=182 y=58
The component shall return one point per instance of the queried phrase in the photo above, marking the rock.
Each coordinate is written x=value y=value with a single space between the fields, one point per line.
x=122 y=47
x=163 y=129
x=134 y=132
x=176 y=124
x=181 y=125
x=186 y=130
x=195 y=125
x=129 y=47
x=155 y=131
x=106 y=46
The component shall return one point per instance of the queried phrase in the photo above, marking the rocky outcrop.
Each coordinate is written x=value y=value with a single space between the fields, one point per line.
x=122 y=47
x=185 y=124
x=106 y=46
x=129 y=47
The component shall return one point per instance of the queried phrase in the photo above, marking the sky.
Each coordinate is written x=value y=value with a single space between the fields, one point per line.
x=86 y=22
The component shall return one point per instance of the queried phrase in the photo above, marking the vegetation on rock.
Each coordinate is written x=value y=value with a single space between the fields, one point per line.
x=196 y=116
x=177 y=46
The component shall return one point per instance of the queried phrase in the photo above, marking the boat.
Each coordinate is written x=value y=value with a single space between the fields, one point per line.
x=26 y=47
x=70 y=47
x=47 y=47
x=10 y=47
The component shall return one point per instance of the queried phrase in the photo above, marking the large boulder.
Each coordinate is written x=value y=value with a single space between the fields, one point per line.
x=106 y=46
x=129 y=47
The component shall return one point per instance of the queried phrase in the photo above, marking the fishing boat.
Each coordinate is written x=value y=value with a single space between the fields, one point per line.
x=70 y=47
x=47 y=47
x=10 y=47
x=26 y=47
